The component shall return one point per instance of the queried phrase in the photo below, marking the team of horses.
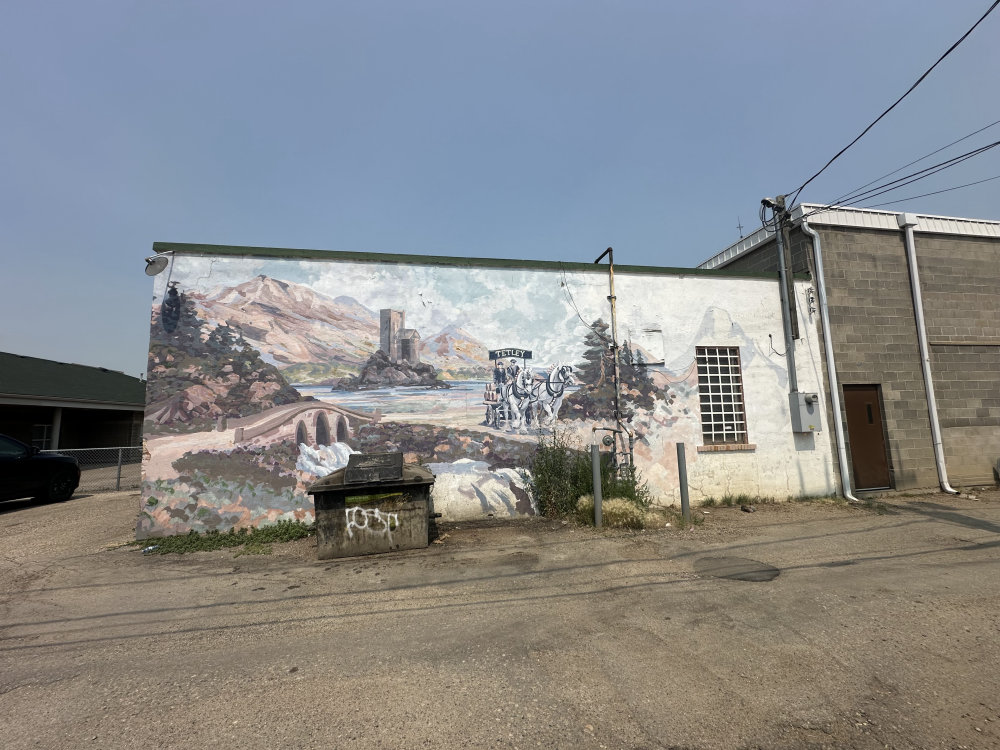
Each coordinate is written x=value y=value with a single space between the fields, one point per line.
x=527 y=400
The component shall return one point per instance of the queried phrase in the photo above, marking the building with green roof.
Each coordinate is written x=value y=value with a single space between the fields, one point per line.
x=54 y=405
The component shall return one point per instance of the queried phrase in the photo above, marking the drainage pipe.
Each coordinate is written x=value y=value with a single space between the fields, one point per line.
x=831 y=365
x=906 y=223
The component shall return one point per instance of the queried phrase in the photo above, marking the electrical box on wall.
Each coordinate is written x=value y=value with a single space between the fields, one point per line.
x=804 y=408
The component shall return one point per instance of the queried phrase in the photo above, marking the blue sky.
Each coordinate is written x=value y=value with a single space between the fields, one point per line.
x=538 y=130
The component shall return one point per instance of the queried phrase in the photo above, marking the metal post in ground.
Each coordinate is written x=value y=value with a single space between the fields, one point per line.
x=118 y=479
x=682 y=475
x=595 y=460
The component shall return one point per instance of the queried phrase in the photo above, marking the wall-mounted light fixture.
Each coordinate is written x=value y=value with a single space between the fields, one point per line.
x=156 y=263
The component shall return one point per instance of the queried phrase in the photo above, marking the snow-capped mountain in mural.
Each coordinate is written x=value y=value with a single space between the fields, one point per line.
x=313 y=338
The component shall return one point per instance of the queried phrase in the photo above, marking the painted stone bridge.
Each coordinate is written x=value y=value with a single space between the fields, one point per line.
x=311 y=422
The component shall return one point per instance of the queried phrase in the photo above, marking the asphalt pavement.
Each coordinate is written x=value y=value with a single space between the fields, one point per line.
x=797 y=626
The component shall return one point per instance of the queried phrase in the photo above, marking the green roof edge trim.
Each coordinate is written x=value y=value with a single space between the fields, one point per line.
x=444 y=260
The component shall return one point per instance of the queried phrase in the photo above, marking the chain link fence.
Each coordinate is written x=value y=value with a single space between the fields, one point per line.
x=107 y=469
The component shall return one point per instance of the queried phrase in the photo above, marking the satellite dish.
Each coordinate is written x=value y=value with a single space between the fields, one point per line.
x=155 y=264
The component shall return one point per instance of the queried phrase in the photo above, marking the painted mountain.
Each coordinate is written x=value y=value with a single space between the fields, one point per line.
x=313 y=338
x=298 y=330
x=456 y=354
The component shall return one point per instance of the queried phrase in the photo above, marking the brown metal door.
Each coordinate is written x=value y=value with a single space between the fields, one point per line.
x=867 y=436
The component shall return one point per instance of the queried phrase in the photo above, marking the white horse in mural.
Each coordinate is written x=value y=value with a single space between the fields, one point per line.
x=536 y=401
x=518 y=397
x=549 y=393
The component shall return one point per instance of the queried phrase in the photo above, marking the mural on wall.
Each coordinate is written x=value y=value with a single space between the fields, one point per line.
x=265 y=374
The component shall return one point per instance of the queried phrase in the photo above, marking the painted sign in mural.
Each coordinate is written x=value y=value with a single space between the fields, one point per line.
x=267 y=373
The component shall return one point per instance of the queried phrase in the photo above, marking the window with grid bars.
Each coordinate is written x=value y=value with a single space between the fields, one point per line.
x=720 y=389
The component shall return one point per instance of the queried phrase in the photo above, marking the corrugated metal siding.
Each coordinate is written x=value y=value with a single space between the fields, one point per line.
x=966 y=227
x=738 y=248
x=846 y=217
x=862 y=218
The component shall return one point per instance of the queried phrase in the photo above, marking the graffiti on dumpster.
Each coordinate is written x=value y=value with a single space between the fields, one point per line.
x=372 y=520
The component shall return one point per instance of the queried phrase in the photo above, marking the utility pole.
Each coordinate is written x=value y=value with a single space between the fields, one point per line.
x=789 y=318
x=781 y=233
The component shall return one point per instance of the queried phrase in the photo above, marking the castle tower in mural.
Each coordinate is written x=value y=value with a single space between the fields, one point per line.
x=399 y=343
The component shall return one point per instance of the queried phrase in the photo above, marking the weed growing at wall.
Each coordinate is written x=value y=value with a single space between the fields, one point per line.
x=616 y=513
x=253 y=541
x=629 y=486
x=560 y=473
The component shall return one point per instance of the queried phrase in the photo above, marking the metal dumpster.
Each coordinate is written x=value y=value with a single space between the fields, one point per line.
x=375 y=504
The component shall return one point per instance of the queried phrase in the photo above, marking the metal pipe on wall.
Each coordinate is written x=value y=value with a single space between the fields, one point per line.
x=831 y=365
x=906 y=223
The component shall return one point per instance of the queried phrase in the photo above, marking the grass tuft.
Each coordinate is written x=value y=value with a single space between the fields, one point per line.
x=616 y=513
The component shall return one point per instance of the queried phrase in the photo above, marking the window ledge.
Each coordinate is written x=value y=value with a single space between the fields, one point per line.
x=727 y=447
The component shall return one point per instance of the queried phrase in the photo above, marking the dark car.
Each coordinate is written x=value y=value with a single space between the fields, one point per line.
x=24 y=472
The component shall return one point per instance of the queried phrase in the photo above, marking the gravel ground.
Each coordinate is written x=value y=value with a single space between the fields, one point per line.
x=880 y=630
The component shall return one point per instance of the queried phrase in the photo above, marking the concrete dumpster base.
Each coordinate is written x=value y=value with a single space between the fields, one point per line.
x=376 y=504
x=346 y=529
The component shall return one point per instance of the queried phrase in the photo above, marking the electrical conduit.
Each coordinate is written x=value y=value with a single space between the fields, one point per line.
x=831 y=367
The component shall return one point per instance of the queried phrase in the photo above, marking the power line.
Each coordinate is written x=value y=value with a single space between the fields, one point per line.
x=916 y=161
x=569 y=296
x=918 y=175
x=905 y=180
x=893 y=106
x=936 y=192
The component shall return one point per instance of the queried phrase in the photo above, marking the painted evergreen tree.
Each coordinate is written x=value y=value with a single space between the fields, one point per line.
x=178 y=324
x=595 y=400
x=637 y=386
x=596 y=368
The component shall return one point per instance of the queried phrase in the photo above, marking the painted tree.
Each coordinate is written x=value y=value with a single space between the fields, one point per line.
x=176 y=323
x=596 y=368
x=638 y=388
x=235 y=380
x=595 y=400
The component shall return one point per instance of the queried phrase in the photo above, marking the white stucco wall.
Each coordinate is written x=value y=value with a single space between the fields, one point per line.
x=693 y=311
x=323 y=313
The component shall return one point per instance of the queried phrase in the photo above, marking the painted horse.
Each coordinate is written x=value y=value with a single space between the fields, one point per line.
x=519 y=398
x=548 y=394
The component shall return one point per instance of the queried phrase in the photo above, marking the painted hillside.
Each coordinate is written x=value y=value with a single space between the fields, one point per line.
x=316 y=339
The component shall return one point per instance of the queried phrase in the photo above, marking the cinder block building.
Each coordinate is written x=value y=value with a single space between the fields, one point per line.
x=914 y=333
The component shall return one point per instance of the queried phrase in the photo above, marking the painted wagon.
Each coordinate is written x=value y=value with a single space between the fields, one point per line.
x=506 y=371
